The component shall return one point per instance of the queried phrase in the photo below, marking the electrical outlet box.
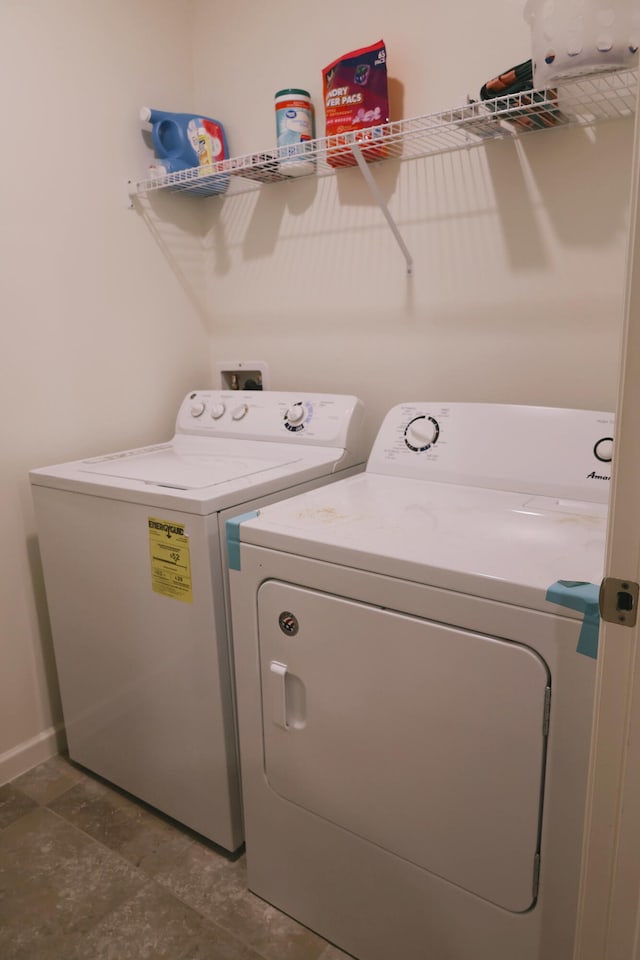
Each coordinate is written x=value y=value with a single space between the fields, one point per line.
x=241 y=375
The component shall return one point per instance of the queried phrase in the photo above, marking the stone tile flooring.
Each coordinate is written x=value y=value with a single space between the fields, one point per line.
x=89 y=873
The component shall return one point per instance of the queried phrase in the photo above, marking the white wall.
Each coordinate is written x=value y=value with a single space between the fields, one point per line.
x=519 y=248
x=108 y=318
x=100 y=338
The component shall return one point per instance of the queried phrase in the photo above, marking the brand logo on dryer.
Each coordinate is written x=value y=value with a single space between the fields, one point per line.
x=597 y=476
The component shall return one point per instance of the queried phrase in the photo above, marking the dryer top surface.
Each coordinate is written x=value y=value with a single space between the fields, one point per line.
x=490 y=543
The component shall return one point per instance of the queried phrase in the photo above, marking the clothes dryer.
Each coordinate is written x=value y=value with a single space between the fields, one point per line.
x=414 y=714
x=135 y=576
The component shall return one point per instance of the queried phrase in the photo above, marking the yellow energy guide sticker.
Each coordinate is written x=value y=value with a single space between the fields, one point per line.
x=170 y=559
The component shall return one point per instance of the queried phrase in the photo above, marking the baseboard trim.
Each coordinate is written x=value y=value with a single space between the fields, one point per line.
x=31 y=752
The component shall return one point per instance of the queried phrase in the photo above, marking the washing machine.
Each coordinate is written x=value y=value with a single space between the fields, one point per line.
x=414 y=695
x=135 y=575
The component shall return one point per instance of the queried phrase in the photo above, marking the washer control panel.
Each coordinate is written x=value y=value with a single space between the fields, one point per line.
x=544 y=450
x=314 y=418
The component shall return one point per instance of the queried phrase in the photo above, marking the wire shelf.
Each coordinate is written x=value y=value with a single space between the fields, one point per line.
x=583 y=101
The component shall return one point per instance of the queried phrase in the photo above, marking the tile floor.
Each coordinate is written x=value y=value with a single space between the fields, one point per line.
x=88 y=873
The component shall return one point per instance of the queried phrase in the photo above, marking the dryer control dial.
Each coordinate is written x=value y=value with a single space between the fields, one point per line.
x=603 y=449
x=239 y=412
x=421 y=433
x=217 y=410
x=197 y=409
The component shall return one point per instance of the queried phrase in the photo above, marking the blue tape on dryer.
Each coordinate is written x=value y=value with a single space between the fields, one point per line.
x=233 y=537
x=583 y=597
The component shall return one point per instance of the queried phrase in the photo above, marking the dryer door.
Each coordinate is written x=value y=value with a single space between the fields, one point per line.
x=424 y=739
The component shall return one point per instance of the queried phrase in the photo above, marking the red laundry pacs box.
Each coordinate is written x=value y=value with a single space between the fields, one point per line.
x=356 y=101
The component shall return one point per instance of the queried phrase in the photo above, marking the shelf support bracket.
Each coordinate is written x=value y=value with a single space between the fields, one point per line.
x=377 y=196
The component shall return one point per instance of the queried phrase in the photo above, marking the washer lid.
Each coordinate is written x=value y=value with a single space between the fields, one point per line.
x=198 y=475
x=181 y=467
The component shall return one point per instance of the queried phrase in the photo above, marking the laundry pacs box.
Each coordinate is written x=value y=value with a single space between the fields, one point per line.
x=356 y=103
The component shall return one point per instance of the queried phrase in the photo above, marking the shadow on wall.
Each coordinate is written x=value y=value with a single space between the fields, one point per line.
x=177 y=224
x=268 y=213
x=466 y=216
x=530 y=182
x=608 y=189
x=264 y=227
x=565 y=166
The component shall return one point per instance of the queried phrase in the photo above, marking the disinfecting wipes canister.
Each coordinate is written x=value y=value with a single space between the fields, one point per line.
x=295 y=131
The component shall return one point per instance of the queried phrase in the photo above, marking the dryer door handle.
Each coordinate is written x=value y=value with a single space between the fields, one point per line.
x=286 y=697
x=278 y=693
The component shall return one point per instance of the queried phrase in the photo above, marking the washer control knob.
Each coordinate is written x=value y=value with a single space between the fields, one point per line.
x=197 y=409
x=603 y=449
x=239 y=412
x=295 y=413
x=421 y=433
x=217 y=411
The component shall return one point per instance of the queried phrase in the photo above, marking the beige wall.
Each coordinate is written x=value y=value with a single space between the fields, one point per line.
x=109 y=317
x=519 y=248
x=100 y=340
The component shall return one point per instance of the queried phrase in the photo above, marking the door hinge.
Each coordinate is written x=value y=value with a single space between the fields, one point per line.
x=618 y=601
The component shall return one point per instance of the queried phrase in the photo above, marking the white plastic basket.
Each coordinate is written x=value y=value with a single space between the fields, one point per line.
x=574 y=37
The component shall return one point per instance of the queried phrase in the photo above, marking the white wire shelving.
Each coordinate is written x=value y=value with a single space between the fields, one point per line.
x=583 y=101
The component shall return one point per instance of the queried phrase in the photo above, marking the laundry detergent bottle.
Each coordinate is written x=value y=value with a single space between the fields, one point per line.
x=182 y=141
